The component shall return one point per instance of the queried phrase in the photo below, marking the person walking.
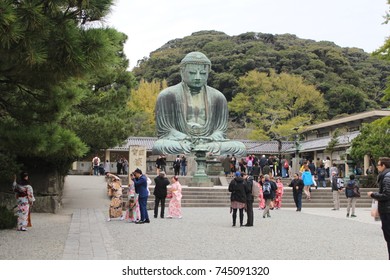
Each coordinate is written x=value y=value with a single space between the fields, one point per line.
x=237 y=198
x=352 y=193
x=160 y=193
x=269 y=188
x=25 y=198
x=114 y=187
x=337 y=185
x=383 y=197
x=307 y=179
x=141 y=188
x=249 y=199
x=174 y=210
x=297 y=186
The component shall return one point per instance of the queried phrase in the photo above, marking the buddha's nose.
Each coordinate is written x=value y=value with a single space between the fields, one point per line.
x=197 y=76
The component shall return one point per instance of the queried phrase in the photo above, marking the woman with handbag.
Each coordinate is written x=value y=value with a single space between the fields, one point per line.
x=174 y=210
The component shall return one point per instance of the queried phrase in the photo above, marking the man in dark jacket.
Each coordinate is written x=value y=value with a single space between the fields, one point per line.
x=297 y=187
x=238 y=197
x=383 y=197
x=249 y=199
x=160 y=193
x=141 y=188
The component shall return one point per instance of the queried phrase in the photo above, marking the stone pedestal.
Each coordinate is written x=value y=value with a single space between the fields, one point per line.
x=200 y=178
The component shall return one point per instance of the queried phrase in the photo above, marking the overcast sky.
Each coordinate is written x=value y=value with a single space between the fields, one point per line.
x=149 y=24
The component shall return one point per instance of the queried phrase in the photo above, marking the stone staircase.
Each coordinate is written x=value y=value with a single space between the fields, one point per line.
x=220 y=197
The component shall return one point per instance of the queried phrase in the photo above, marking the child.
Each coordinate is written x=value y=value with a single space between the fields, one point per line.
x=132 y=212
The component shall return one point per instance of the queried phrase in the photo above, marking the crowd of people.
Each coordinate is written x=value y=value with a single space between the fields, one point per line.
x=136 y=205
x=244 y=187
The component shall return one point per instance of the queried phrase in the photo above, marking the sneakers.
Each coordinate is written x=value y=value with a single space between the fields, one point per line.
x=108 y=219
x=348 y=215
x=353 y=216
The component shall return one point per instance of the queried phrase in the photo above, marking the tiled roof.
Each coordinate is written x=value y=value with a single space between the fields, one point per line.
x=255 y=147
x=322 y=143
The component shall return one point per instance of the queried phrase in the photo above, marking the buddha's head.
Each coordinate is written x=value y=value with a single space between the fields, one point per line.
x=194 y=69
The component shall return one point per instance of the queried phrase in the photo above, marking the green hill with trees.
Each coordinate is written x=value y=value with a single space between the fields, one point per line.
x=342 y=81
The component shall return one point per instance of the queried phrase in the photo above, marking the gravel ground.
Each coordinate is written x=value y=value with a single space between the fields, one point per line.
x=45 y=240
x=207 y=233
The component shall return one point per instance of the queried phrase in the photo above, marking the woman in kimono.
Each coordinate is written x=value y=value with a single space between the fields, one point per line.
x=25 y=197
x=174 y=210
x=279 y=193
x=114 y=187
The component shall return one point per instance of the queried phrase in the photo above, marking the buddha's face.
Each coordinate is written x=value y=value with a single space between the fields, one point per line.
x=195 y=75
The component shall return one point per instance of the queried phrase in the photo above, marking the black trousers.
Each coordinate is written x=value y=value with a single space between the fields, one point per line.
x=235 y=216
x=249 y=212
x=157 y=201
x=177 y=170
x=385 y=218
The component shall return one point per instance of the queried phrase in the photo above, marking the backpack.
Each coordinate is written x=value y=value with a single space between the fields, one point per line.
x=340 y=183
x=285 y=165
x=255 y=189
x=322 y=172
x=266 y=188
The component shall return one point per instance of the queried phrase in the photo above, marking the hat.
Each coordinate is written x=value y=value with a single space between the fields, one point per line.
x=138 y=171
x=238 y=174
x=162 y=173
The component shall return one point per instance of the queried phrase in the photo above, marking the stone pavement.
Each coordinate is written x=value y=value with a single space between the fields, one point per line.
x=80 y=231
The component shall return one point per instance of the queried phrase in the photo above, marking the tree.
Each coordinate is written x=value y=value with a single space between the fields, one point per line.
x=334 y=141
x=322 y=64
x=373 y=140
x=47 y=49
x=142 y=106
x=269 y=101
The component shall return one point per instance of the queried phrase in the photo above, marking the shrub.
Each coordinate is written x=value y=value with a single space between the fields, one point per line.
x=7 y=218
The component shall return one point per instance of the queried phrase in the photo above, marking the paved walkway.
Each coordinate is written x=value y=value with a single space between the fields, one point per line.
x=80 y=231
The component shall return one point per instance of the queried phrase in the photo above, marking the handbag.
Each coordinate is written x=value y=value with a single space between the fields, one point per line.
x=374 y=209
x=169 y=195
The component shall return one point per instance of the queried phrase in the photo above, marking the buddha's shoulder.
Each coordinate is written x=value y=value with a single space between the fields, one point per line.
x=215 y=91
x=172 y=90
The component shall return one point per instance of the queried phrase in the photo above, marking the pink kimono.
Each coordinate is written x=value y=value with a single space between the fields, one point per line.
x=279 y=194
x=174 y=210
x=261 y=198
